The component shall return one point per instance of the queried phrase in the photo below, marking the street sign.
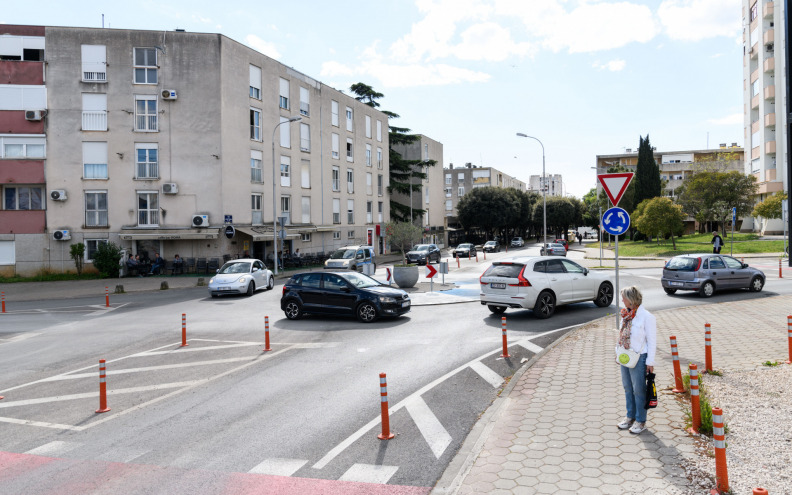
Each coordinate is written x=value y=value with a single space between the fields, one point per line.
x=734 y=215
x=230 y=231
x=388 y=274
x=615 y=221
x=615 y=185
x=430 y=271
x=443 y=267
x=228 y=219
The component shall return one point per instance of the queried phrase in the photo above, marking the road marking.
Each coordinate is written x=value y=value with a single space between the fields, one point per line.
x=88 y=395
x=117 y=455
x=149 y=368
x=103 y=310
x=54 y=449
x=41 y=424
x=17 y=338
x=648 y=276
x=369 y=473
x=194 y=349
x=432 y=430
x=279 y=467
x=487 y=373
x=530 y=346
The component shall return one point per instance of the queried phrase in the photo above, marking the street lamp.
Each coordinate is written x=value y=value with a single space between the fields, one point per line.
x=544 y=190
x=274 y=208
x=599 y=219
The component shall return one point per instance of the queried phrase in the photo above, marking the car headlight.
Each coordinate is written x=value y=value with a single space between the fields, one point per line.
x=387 y=299
x=243 y=278
x=211 y=280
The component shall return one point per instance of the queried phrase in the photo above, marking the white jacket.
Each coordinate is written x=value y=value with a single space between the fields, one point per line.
x=643 y=334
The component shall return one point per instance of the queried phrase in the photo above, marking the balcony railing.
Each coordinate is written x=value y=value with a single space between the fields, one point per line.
x=95 y=77
x=769 y=64
x=770 y=147
x=769 y=92
x=755 y=102
x=769 y=36
x=770 y=120
x=767 y=9
x=94 y=120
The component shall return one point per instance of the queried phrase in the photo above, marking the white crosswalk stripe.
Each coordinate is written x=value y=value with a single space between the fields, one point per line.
x=486 y=373
x=430 y=427
x=527 y=344
x=369 y=473
x=54 y=448
x=279 y=467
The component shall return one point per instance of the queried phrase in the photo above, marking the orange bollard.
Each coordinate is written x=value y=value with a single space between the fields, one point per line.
x=707 y=347
x=485 y=256
x=505 y=343
x=780 y=275
x=759 y=491
x=476 y=257
x=469 y=255
x=386 y=433
x=458 y=265
x=695 y=407
x=789 y=336
x=102 y=388
x=3 y=301
x=719 y=441
x=679 y=387
x=184 y=330
x=266 y=334
x=107 y=297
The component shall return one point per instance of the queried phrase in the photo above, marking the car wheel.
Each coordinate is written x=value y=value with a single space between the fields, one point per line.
x=366 y=312
x=251 y=288
x=293 y=310
x=271 y=283
x=498 y=310
x=707 y=289
x=215 y=296
x=756 y=284
x=670 y=292
x=604 y=295
x=545 y=305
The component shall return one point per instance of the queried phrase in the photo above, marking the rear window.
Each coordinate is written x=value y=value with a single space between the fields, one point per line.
x=682 y=264
x=506 y=271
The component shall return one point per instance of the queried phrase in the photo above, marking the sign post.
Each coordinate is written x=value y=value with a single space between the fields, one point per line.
x=734 y=220
x=784 y=213
x=615 y=220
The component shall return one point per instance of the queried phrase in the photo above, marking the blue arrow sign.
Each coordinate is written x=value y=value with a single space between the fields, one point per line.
x=616 y=221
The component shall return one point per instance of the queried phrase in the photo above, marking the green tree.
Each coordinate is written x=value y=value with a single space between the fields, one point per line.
x=771 y=207
x=711 y=195
x=647 y=174
x=402 y=172
x=489 y=209
x=402 y=235
x=77 y=253
x=106 y=259
x=659 y=216
x=591 y=209
x=561 y=214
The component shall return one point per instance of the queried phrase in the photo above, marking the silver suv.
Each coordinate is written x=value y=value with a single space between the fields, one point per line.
x=706 y=273
x=351 y=258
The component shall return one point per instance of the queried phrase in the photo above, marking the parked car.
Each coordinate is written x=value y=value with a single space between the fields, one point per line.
x=242 y=276
x=351 y=258
x=423 y=254
x=563 y=242
x=707 y=273
x=464 y=250
x=342 y=293
x=517 y=242
x=542 y=284
x=552 y=249
x=491 y=247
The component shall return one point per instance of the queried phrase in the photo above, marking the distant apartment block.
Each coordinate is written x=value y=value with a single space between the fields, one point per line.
x=460 y=181
x=555 y=184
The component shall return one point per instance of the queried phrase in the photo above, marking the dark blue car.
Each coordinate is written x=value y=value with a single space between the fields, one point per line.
x=342 y=293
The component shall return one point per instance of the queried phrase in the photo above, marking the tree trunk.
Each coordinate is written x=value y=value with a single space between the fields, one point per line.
x=673 y=241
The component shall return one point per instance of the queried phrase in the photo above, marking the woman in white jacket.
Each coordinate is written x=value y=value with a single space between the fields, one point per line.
x=639 y=333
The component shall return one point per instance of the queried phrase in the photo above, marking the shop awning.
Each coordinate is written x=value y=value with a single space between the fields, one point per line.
x=169 y=234
x=264 y=233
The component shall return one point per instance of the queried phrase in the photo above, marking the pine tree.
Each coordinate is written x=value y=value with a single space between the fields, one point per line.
x=647 y=174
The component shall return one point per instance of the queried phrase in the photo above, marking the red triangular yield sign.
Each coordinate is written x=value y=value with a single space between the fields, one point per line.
x=430 y=270
x=615 y=185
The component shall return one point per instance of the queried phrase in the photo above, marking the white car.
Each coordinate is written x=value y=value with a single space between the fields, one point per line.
x=517 y=242
x=541 y=284
x=242 y=276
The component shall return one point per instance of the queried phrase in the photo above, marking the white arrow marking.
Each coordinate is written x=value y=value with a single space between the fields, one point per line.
x=621 y=215
x=607 y=219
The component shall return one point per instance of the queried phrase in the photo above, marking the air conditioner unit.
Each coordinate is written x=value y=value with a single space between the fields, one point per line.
x=61 y=235
x=58 y=195
x=32 y=114
x=168 y=94
x=170 y=188
x=200 y=221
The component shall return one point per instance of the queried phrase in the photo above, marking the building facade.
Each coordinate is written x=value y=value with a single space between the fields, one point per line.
x=157 y=140
x=555 y=184
x=461 y=180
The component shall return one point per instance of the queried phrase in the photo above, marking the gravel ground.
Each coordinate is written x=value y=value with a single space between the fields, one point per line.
x=757 y=408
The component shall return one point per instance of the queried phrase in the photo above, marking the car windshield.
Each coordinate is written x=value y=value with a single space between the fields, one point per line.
x=490 y=243
x=235 y=268
x=343 y=254
x=516 y=239
x=421 y=247
x=682 y=264
x=360 y=280
x=465 y=246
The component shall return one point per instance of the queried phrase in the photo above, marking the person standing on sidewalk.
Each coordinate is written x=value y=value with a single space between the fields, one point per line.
x=717 y=242
x=639 y=333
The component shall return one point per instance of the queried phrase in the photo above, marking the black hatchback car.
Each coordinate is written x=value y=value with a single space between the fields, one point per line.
x=342 y=293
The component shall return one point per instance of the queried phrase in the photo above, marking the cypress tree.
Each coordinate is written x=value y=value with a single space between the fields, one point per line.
x=647 y=173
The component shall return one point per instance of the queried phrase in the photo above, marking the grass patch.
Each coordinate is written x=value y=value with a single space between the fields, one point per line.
x=745 y=243
x=771 y=363
x=704 y=406
x=46 y=275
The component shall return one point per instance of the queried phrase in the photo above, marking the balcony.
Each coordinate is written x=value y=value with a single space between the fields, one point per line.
x=754 y=127
x=94 y=121
x=768 y=10
x=755 y=153
x=769 y=93
x=770 y=120
x=769 y=36
x=770 y=175
x=22 y=172
x=769 y=64
x=22 y=221
x=755 y=101
x=770 y=147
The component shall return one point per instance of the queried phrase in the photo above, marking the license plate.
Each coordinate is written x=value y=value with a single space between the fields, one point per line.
x=406 y=304
x=676 y=284
x=498 y=286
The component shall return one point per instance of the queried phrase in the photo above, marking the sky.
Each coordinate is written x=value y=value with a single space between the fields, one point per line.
x=583 y=77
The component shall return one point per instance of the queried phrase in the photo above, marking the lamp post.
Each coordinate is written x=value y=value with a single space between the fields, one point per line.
x=544 y=190
x=274 y=208
x=599 y=218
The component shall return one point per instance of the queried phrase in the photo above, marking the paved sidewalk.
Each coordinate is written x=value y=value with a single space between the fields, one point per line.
x=553 y=429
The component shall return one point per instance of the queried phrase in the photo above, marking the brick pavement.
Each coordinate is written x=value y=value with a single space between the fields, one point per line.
x=553 y=430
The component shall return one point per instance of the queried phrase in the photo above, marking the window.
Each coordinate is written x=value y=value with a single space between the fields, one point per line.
x=146 y=160
x=379 y=158
x=369 y=212
x=145 y=65
x=379 y=130
x=148 y=208
x=23 y=198
x=426 y=195
x=305 y=137
x=306 y=209
x=351 y=211
x=336 y=235
x=19 y=147
x=305 y=237
x=368 y=126
x=379 y=211
x=449 y=205
x=286 y=208
x=255 y=208
x=448 y=179
x=350 y=181
x=91 y=247
x=284 y=93
x=255 y=124
x=336 y=145
x=426 y=152
x=461 y=177
x=94 y=160
x=285 y=134
x=461 y=191
x=349 y=150
x=255 y=82
x=379 y=185
x=305 y=174
x=96 y=208
x=349 y=119
x=305 y=105
x=94 y=63
x=755 y=87
x=27 y=48
x=255 y=166
x=368 y=155
x=336 y=210
x=94 y=112
x=285 y=171
x=448 y=192
x=350 y=234
x=754 y=10
x=336 y=179
x=334 y=112
x=369 y=184
x=146 y=113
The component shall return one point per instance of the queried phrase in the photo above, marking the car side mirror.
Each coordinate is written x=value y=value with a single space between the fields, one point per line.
x=585 y=271
x=745 y=265
x=217 y=271
x=255 y=269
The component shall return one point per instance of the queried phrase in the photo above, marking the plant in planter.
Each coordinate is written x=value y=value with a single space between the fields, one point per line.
x=403 y=235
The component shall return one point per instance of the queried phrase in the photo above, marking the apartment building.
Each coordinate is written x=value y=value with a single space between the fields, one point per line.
x=555 y=184
x=764 y=94
x=430 y=198
x=157 y=141
x=461 y=180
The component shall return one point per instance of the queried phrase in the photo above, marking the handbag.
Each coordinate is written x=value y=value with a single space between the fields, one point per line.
x=626 y=357
x=651 y=392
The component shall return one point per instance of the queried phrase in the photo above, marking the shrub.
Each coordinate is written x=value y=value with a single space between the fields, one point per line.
x=77 y=252
x=106 y=259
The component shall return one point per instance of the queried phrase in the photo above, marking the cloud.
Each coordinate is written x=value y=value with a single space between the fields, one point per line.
x=264 y=47
x=733 y=119
x=695 y=20
x=403 y=76
x=613 y=65
x=489 y=41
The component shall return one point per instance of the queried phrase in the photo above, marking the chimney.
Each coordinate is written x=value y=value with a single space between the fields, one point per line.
x=469 y=165
x=734 y=145
x=451 y=166
x=723 y=145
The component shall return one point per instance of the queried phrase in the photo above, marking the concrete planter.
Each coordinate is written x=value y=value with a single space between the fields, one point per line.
x=405 y=276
